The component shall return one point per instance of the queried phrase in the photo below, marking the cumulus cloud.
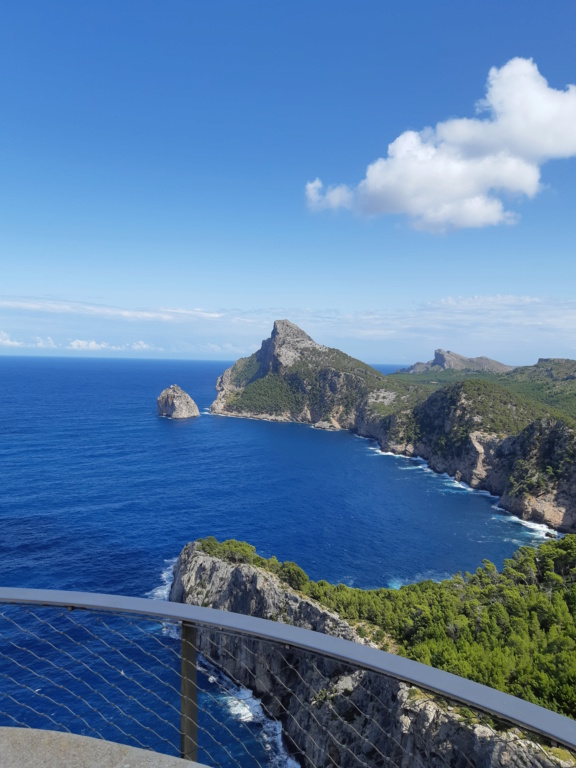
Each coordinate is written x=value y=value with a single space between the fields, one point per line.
x=38 y=343
x=86 y=345
x=90 y=345
x=6 y=341
x=47 y=343
x=456 y=174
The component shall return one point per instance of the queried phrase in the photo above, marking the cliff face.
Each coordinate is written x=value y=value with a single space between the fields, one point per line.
x=533 y=469
x=333 y=715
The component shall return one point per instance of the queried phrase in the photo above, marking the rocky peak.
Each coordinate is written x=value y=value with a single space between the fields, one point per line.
x=285 y=345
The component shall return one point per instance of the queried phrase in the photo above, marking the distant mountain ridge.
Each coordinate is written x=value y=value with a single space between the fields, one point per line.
x=446 y=360
x=510 y=431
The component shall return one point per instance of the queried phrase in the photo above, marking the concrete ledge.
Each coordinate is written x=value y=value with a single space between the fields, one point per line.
x=34 y=748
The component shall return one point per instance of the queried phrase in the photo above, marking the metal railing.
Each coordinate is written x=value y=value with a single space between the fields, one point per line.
x=149 y=673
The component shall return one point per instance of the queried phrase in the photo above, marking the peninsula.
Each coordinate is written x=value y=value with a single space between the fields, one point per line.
x=509 y=431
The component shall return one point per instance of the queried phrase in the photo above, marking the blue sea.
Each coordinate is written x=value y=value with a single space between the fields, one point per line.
x=100 y=494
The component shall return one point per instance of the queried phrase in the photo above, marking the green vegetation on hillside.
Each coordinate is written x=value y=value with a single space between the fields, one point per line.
x=244 y=370
x=552 y=382
x=270 y=394
x=549 y=383
x=476 y=404
x=313 y=381
x=548 y=451
x=326 y=382
x=514 y=630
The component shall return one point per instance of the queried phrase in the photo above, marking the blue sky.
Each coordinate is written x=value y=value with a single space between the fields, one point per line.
x=174 y=176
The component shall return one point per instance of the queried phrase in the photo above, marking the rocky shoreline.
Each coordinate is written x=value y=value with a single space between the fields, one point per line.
x=532 y=469
x=485 y=464
x=475 y=469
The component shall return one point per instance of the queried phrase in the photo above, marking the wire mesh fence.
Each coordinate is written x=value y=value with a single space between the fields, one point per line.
x=227 y=699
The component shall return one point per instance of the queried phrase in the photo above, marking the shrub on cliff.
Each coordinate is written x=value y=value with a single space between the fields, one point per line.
x=293 y=575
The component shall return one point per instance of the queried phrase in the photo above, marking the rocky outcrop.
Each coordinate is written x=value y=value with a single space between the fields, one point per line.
x=445 y=360
x=333 y=715
x=541 y=484
x=292 y=378
x=174 y=403
x=200 y=579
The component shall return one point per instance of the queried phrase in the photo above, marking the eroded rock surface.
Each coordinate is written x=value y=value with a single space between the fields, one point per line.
x=174 y=403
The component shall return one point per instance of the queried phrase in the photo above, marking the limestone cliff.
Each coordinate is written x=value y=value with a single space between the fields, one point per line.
x=528 y=460
x=332 y=715
x=292 y=378
x=174 y=403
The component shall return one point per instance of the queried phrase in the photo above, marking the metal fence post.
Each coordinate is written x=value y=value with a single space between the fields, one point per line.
x=188 y=695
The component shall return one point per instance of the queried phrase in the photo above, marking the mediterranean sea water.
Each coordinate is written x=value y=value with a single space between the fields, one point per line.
x=100 y=494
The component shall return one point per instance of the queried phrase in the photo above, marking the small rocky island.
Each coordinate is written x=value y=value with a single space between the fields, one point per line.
x=174 y=403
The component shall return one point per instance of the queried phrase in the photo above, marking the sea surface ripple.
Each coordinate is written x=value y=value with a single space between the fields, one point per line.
x=98 y=493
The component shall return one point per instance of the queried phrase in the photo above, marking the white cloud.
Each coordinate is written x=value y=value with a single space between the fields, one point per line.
x=90 y=345
x=38 y=343
x=6 y=341
x=201 y=313
x=47 y=343
x=472 y=325
x=98 y=310
x=140 y=346
x=79 y=308
x=86 y=345
x=334 y=197
x=456 y=174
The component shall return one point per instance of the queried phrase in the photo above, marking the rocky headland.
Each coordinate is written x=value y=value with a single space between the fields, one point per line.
x=174 y=403
x=332 y=715
x=509 y=431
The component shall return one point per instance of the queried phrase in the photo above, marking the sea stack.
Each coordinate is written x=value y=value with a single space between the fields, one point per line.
x=174 y=403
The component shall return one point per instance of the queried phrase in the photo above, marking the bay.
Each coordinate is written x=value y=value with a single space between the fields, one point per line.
x=98 y=493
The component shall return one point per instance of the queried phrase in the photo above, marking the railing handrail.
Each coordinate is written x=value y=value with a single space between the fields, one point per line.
x=530 y=716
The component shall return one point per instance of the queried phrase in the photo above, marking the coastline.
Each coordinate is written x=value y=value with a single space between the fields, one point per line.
x=483 y=486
